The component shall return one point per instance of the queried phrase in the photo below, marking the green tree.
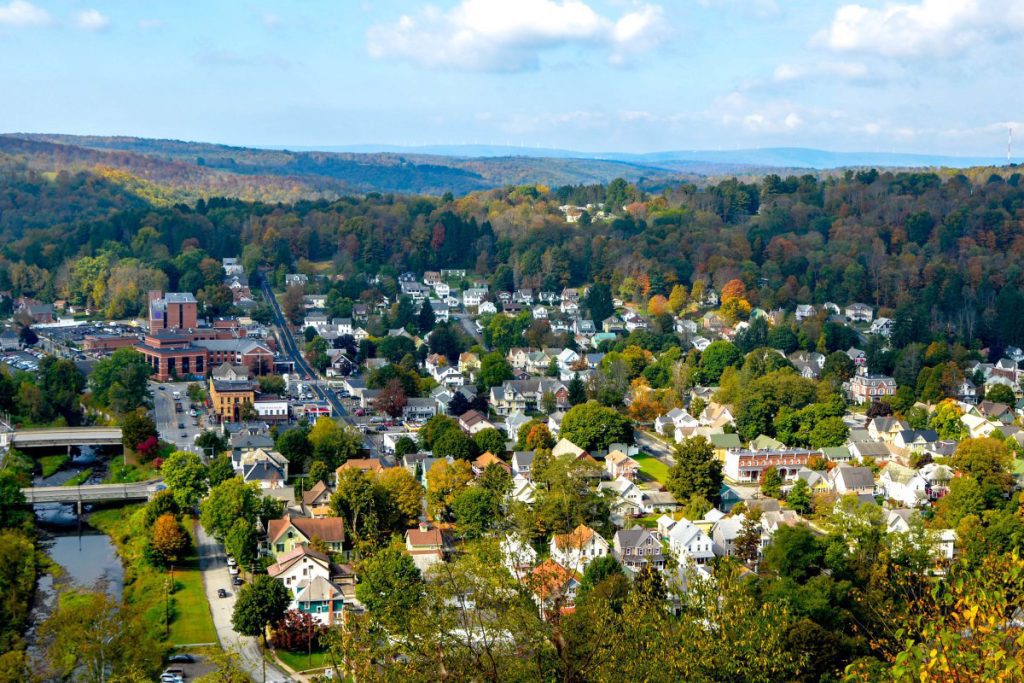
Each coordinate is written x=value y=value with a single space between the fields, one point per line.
x=426 y=319
x=186 y=477
x=295 y=445
x=219 y=469
x=12 y=501
x=332 y=443
x=771 y=482
x=592 y=426
x=697 y=472
x=830 y=431
x=168 y=538
x=242 y=543
x=457 y=444
x=444 y=483
x=404 y=446
x=799 y=497
x=494 y=370
x=475 y=510
x=716 y=358
x=599 y=302
x=230 y=500
x=747 y=545
x=794 y=552
x=212 y=443
x=121 y=382
x=390 y=585
x=1000 y=393
x=316 y=354
x=577 y=391
x=492 y=440
x=260 y=604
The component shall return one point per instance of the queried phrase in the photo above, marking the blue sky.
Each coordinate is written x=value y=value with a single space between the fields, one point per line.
x=934 y=76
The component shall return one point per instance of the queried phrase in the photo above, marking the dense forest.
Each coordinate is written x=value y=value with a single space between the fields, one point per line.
x=941 y=254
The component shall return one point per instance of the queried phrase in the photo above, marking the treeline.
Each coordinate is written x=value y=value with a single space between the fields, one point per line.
x=941 y=255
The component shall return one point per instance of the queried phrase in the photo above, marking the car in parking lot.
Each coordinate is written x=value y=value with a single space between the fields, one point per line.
x=221 y=593
x=233 y=570
x=231 y=561
x=237 y=581
x=181 y=658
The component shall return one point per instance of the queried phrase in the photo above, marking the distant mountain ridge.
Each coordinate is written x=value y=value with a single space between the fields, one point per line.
x=771 y=157
x=175 y=170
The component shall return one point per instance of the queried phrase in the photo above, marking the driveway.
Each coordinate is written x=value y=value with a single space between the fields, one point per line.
x=213 y=564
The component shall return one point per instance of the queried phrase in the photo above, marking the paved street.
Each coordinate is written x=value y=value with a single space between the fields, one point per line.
x=654 y=446
x=167 y=420
x=469 y=326
x=213 y=564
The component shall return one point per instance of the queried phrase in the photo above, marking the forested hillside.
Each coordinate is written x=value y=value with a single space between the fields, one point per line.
x=197 y=170
x=944 y=255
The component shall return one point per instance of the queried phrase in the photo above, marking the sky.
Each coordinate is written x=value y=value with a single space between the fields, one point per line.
x=928 y=76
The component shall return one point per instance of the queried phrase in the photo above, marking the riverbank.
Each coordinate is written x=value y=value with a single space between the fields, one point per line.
x=172 y=602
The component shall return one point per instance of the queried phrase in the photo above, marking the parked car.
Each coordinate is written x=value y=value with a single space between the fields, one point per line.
x=181 y=658
x=233 y=571
x=237 y=581
x=221 y=593
x=231 y=561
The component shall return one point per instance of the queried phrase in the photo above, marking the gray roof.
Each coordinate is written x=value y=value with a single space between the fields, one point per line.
x=855 y=477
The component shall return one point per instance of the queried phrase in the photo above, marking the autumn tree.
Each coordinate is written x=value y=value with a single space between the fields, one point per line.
x=169 y=539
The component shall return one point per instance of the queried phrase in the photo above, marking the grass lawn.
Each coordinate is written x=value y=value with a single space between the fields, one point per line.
x=1018 y=466
x=146 y=585
x=79 y=478
x=51 y=464
x=120 y=473
x=300 y=662
x=648 y=521
x=652 y=467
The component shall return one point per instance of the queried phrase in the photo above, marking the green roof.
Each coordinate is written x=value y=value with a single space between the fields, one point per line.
x=726 y=440
x=836 y=452
x=765 y=442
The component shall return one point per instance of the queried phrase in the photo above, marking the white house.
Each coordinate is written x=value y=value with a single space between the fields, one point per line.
x=905 y=485
x=518 y=556
x=576 y=549
x=690 y=544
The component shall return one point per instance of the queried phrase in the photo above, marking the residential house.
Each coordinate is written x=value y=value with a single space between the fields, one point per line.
x=527 y=395
x=522 y=461
x=804 y=311
x=427 y=545
x=914 y=440
x=554 y=587
x=882 y=327
x=905 y=485
x=886 y=428
x=627 y=499
x=634 y=548
x=618 y=464
x=487 y=459
x=474 y=421
x=310 y=578
x=578 y=548
x=690 y=543
x=846 y=479
x=365 y=465
x=867 y=388
x=744 y=465
x=316 y=501
x=418 y=409
x=518 y=555
x=859 y=313
x=287 y=533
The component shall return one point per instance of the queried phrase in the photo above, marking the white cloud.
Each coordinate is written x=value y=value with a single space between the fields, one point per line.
x=845 y=71
x=496 y=35
x=20 y=13
x=929 y=28
x=91 y=20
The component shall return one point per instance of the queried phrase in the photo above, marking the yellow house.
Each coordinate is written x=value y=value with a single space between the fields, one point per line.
x=228 y=396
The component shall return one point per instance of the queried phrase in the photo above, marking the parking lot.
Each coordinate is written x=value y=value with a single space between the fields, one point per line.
x=22 y=361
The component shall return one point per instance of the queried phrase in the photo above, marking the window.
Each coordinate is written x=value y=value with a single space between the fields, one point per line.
x=280 y=547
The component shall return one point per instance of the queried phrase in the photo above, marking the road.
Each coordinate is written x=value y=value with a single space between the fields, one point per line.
x=213 y=564
x=167 y=420
x=469 y=326
x=293 y=352
x=654 y=446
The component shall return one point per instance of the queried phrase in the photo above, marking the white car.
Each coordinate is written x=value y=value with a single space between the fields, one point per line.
x=231 y=561
x=233 y=570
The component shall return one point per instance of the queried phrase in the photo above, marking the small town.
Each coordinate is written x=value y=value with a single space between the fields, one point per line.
x=511 y=341
x=669 y=441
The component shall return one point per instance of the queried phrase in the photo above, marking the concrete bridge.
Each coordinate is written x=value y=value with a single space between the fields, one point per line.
x=92 y=493
x=66 y=437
